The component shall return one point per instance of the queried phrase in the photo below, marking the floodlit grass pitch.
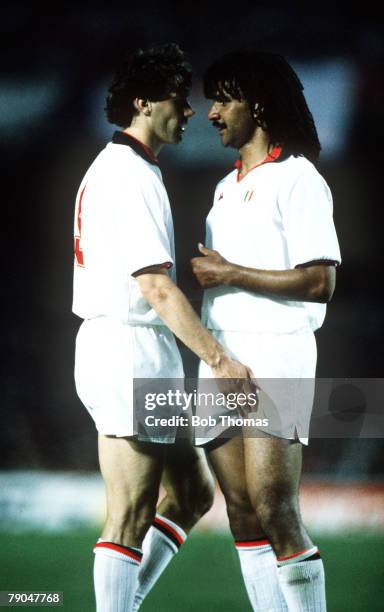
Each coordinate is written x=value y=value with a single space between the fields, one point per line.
x=205 y=575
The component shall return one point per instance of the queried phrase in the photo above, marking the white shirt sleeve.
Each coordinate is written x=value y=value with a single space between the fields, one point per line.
x=306 y=207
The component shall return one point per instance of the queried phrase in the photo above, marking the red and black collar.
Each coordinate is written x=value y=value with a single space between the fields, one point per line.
x=139 y=147
x=275 y=154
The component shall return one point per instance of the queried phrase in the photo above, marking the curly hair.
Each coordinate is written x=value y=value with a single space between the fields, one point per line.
x=151 y=74
x=266 y=79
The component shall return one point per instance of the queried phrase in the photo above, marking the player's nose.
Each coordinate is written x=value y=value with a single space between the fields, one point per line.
x=213 y=112
x=188 y=111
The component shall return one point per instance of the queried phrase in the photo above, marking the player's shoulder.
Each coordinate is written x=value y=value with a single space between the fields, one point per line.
x=299 y=169
x=120 y=163
x=118 y=155
x=298 y=164
x=301 y=179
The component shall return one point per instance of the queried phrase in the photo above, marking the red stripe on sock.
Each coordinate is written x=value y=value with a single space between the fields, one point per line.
x=119 y=549
x=251 y=543
x=297 y=554
x=175 y=534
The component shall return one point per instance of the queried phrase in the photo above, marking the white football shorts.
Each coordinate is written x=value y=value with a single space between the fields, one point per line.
x=284 y=366
x=109 y=356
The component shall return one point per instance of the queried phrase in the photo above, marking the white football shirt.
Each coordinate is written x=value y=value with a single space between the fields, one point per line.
x=278 y=216
x=123 y=223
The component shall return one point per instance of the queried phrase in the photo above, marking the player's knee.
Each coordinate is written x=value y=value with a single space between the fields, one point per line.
x=241 y=515
x=203 y=497
x=195 y=501
x=275 y=508
x=237 y=505
x=190 y=500
x=134 y=517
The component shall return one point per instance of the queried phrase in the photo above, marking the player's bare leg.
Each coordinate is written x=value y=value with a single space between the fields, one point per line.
x=257 y=559
x=273 y=469
x=132 y=473
x=188 y=483
x=228 y=464
x=189 y=494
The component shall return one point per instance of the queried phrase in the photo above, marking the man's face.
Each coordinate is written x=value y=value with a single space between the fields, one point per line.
x=169 y=118
x=233 y=119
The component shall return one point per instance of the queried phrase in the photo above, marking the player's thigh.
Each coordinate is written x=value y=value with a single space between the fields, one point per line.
x=131 y=471
x=272 y=468
x=228 y=464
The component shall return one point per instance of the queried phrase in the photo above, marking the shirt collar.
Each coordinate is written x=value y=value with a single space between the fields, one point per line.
x=140 y=148
x=271 y=157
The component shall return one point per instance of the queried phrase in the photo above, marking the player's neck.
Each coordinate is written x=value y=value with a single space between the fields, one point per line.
x=145 y=136
x=255 y=150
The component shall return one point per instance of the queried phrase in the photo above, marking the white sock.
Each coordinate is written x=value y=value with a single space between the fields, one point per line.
x=115 y=575
x=160 y=545
x=302 y=581
x=258 y=566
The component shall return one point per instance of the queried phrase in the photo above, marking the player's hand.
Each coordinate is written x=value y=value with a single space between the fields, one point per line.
x=235 y=378
x=211 y=269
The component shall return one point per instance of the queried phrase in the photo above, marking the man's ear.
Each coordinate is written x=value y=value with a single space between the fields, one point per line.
x=142 y=105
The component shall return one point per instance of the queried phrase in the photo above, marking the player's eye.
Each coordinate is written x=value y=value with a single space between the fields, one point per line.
x=221 y=101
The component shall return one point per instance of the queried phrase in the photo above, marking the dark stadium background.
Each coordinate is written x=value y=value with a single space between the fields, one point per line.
x=64 y=55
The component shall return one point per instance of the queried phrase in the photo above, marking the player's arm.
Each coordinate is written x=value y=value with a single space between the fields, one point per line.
x=312 y=282
x=177 y=313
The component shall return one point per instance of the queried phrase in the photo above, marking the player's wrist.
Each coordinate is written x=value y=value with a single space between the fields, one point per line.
x=215 y=357
x=231 y=274
x=219 y=361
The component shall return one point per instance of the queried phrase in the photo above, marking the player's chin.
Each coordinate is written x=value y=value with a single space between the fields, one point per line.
x=225 y=140
x=231 y=143
x=180 y=131
x=175 y=138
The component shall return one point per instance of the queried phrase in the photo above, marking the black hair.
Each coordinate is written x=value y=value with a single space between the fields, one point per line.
x=152 y=74
x=266 y=79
